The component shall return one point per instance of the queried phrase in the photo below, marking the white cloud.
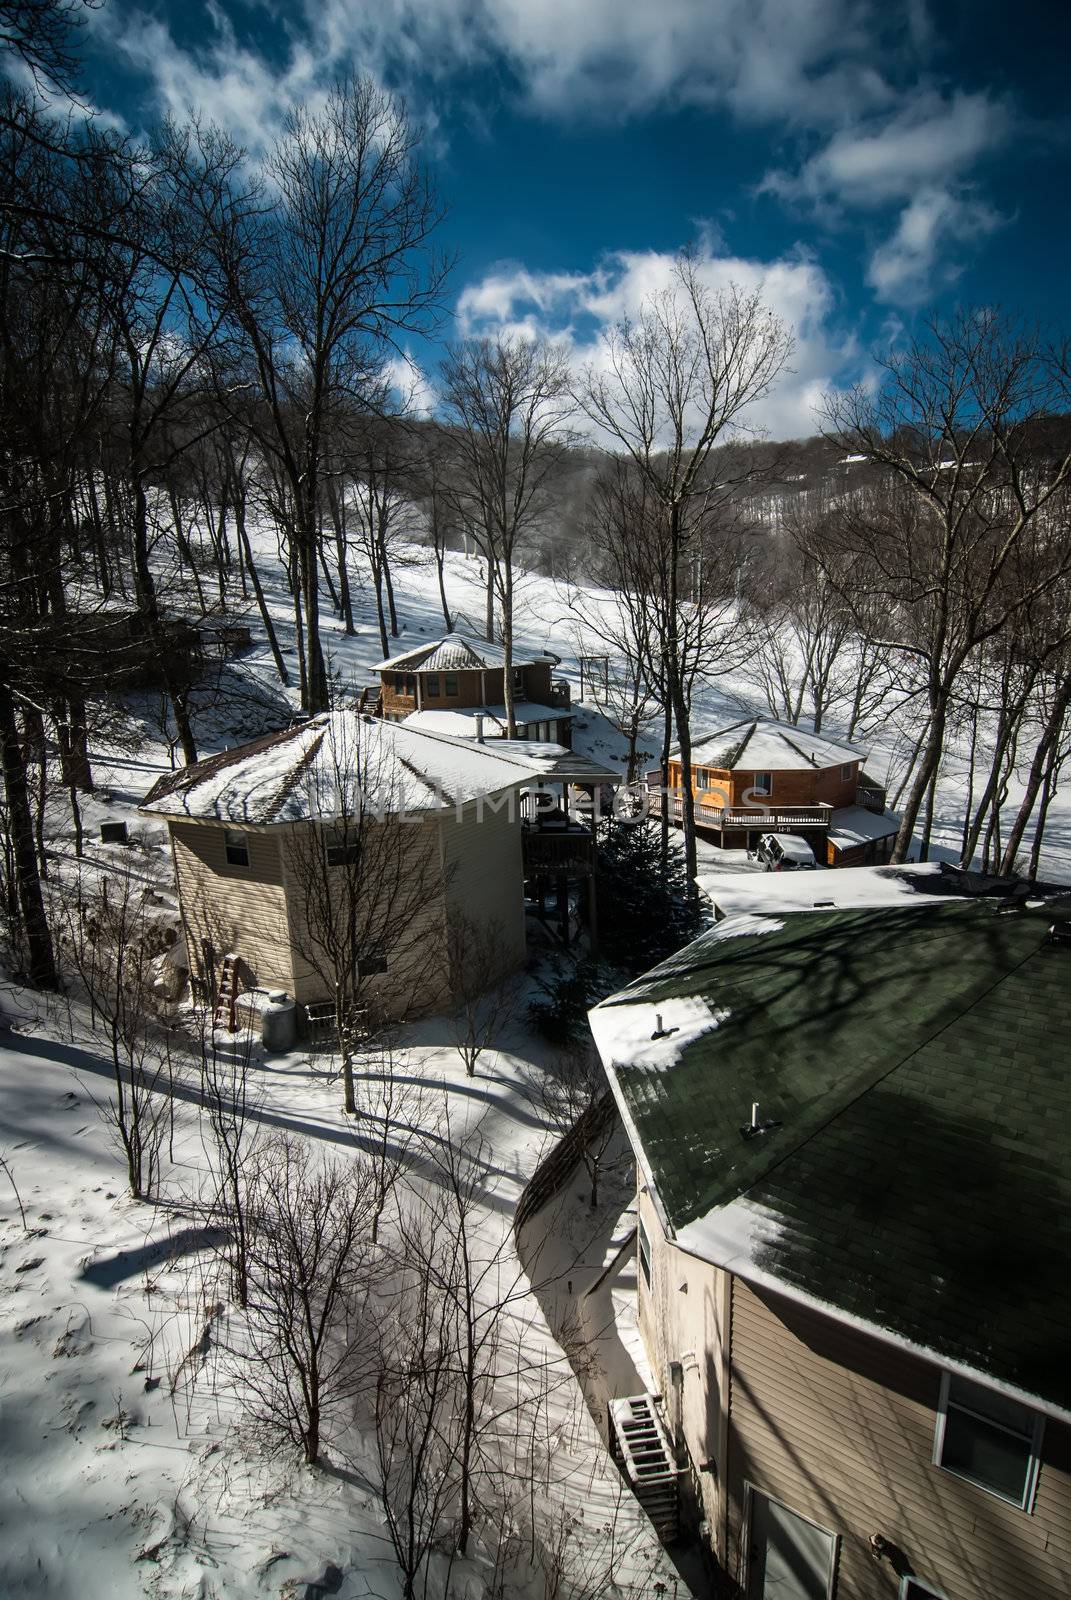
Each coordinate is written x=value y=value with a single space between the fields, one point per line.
x=578 y=308
x=807 y=63
x=919 y=157
x=912 y=263
x=412 y=387
x=926 y=139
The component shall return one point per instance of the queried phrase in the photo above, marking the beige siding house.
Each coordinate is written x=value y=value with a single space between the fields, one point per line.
x=250 y=828
x=853 y=1222
x=416 y=830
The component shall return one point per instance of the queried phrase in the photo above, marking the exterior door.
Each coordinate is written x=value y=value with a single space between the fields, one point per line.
x=789 y=1558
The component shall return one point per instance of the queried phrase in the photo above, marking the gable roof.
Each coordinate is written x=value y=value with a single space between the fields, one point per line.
x=315 y=769
x=760 y=745
x=916 y=1062
x=456 y=652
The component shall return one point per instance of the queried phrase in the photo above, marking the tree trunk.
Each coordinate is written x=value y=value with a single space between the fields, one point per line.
x=924 y=774
x=265 y=617
x=440 y=563
x=41 y=956
x=1049 y=738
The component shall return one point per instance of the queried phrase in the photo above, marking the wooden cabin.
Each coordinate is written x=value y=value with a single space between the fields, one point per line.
x=851 y=1139
x=760 y=776
x=455 y=685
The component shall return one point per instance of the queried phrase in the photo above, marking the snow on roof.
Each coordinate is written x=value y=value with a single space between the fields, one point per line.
x=853 y=825
x=457 y=653
x=462 y=721
x=742 y=893
x=761 y=745
x=319 y=768
x=555 y=763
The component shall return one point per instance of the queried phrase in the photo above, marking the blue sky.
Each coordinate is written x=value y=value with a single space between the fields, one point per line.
x=867 y=161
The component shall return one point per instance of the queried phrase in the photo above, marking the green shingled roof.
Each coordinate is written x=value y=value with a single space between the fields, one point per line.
x=918 y=1061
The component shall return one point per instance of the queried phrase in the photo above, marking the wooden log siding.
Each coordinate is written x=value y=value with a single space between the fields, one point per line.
x=840 y=1427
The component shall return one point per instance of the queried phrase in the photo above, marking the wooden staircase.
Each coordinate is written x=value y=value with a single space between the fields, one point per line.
x=225 y=1016
x=640 y=1446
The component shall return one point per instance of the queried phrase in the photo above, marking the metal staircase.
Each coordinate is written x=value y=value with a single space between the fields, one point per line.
x=640 y=1446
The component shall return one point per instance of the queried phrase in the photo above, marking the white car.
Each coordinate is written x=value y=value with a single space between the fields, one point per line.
x=785 y=852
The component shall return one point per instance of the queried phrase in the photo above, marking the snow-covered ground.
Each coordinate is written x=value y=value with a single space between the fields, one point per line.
x=126 y=1469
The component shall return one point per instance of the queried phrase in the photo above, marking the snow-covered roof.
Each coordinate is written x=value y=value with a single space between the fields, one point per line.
x=761 y=745
x=878 y=1042
x=456 y=652
x=462 y=721
x=764 y=892
x=854 y=825
x=553 y=763
x=318 y=769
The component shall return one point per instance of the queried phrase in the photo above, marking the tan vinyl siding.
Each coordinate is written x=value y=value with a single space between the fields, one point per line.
x=228 y=908
x=681 y=1317
x=484 y=873
x=414 y=980
x=840 y=1427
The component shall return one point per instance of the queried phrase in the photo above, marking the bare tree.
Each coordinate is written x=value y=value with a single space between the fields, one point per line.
x=484 y=1000
x=112 y=950
x=576 y=1098
x=507 y=405
x=231 y=1105
x=416 y=1407
x=320 y=273
x=965 y=536
x=669 y=387
x=369 y=879
x=311 y=1266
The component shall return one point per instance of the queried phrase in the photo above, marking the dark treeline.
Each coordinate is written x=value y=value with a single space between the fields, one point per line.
x=194 y=345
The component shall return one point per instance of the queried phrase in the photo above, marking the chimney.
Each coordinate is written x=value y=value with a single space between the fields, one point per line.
x=479 y=729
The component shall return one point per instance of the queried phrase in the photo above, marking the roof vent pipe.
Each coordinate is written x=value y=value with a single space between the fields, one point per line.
x=479 y=730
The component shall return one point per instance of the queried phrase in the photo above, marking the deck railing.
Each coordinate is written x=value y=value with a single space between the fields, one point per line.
x=570 y=850
x=871 y=797
x=739 y=817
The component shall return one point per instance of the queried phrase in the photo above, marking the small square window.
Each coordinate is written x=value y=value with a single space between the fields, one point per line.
x=451 y=684
x=763 y=783
x=236 y=848
x=372 y=962
x=431 y=683
x=342 y=852
x=645 y=1253
x=988 y=1439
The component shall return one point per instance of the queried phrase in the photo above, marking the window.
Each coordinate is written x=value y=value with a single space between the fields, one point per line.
x=988 y=1439
x=431 y=683
x=645 y=1254
x=518 y=679
x=372 y=962
x=236 y=848
x=342 y=852
x=763 y=783
x=847 y=772
x=451 y=684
